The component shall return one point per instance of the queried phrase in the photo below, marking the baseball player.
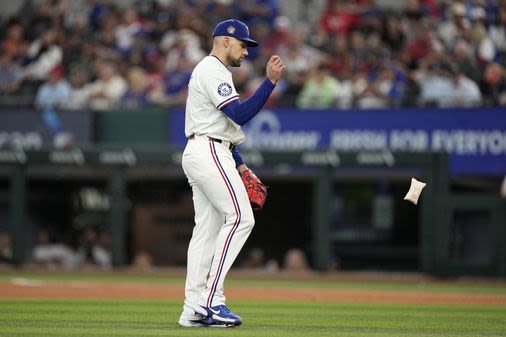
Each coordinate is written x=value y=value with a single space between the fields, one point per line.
x=223 y=213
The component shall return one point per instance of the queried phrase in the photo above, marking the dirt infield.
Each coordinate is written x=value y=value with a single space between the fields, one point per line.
x=27 y=289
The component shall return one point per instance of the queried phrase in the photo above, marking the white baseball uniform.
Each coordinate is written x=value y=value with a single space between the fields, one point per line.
x=223 y=215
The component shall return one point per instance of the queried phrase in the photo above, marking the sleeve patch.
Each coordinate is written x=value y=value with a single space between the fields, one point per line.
x=225 y=89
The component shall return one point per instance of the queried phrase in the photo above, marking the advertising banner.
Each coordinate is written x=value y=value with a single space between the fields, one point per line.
x=474 y=138
x=31 y=129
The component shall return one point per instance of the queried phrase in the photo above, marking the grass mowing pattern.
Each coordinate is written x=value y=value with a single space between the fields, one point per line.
x=60 y=318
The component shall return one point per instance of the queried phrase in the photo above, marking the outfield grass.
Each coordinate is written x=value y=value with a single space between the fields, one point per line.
x=158 y=318
x=59 y=318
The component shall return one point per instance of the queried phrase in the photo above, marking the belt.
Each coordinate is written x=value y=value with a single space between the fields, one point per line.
x=230 y=145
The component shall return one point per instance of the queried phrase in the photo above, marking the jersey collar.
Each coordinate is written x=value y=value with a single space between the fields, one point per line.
x=216 y=57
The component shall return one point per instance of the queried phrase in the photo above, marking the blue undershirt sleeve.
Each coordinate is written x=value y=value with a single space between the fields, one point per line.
x=237 y=157
x=242 y=112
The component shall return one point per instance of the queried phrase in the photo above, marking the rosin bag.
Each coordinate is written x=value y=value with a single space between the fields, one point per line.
x=414 y=191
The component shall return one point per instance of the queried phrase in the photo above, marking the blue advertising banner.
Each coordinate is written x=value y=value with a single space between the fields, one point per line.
x=30 y=129
x=474 y=138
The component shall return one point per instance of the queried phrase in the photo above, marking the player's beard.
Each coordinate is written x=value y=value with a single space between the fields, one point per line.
x=234 y=62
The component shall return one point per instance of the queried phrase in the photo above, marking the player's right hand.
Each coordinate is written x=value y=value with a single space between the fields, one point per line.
x=275 y=68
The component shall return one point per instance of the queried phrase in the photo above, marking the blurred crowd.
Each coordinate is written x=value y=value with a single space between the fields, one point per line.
x=105 y=54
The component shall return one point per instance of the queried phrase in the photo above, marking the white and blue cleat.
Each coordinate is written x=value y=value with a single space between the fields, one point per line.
x=223 y=314
x=204 y=322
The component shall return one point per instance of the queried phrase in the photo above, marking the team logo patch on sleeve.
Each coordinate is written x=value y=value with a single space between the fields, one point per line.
x=224 y=89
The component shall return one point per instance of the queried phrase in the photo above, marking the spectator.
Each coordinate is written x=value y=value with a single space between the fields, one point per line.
x=43 y=55
x=130 y=25
x=81 y=60
x=136 y=95
x=155 y=71
x=218 y=9
x=485 y=49
x=52 y=254
x=255 y=259
x=12 y=44
x=25 y=12
x=45 y=16
x=298 y=36
x=497 y=32
x=494 y=85
x=297 y=69
x=320 y=91
x=107 y=90
x=5 y=247
x=98 y=12
x=463 y=57
x=298 y=57
x=295 y=260
x=10 y=73
x=254 y=10
x=340 y=59
x=174 y=87
x=51 y=96
x=502 y=191
x=411 y=90
x=143 y=261
x=78 y=97
x=93 y=248
x=101 y=251
x=451 y=29
x=183 y=44
x=345 y=93
x=55 y=92
x=392 y=33
x=423 y=44
x=280 y=36
x=374 y=93
x=359 y=51
x=319 y=38
x=105 y=45
x=338 y=17
x=47 y=33
x=433 y=84
x=141 y=51
x=78 y=52
x=461 y=92
x=411 y=18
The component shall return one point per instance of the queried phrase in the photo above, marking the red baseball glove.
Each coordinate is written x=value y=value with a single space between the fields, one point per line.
x=257 y=191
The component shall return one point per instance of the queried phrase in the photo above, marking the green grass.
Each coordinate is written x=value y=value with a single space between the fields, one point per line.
x=61 y=318
x=158 y=318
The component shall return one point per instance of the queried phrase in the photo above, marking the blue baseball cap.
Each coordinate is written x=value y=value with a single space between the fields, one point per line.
x=234 y=28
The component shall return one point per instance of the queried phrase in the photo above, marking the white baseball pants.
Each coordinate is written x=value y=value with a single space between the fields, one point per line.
x=223 y=221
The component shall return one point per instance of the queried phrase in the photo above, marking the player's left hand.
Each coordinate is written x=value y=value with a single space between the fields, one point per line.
x=257 y=191
x=275 y=68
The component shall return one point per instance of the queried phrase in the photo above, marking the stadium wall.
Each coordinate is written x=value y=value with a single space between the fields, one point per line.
x=350 y=213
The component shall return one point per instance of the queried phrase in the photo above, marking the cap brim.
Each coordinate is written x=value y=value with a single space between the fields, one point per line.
x=250 y=42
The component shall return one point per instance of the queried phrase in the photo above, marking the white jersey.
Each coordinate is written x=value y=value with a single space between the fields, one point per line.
x=210 y=89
